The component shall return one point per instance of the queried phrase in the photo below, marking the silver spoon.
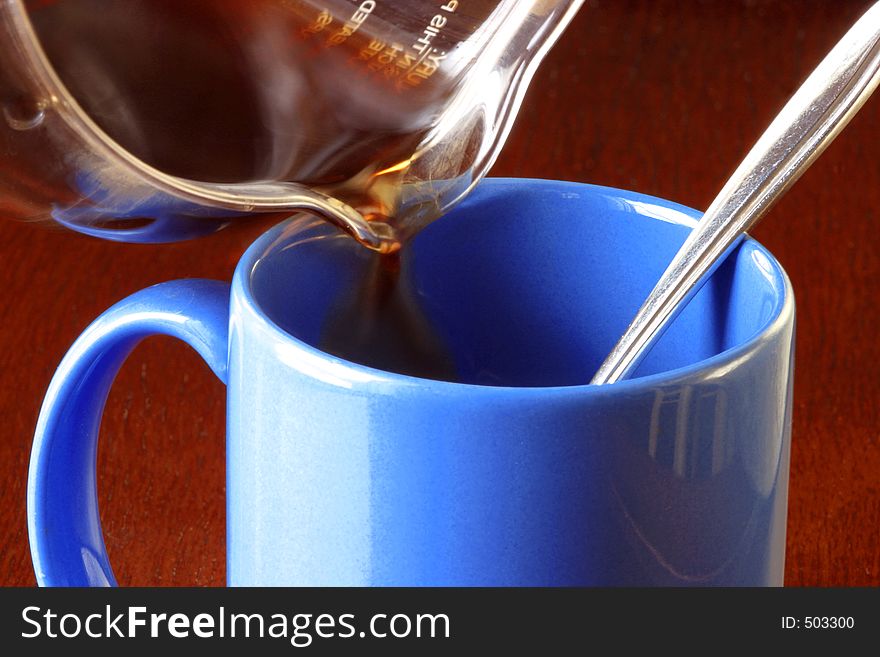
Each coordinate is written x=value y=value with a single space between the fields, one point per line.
x=810 y=121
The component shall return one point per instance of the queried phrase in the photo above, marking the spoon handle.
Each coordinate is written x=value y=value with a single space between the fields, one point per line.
x=810 y=121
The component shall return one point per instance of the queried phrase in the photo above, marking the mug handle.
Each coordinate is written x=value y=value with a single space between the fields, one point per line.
x=64 y=526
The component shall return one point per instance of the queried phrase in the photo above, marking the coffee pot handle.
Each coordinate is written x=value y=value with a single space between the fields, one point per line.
x=64 y=525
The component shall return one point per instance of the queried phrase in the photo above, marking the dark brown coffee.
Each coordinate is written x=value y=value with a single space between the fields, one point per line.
x=380 y=323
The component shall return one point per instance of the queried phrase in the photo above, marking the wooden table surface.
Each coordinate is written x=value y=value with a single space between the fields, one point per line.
x=663 y=97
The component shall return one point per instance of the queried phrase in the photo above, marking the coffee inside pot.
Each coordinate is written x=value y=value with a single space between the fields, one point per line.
x=205 y=110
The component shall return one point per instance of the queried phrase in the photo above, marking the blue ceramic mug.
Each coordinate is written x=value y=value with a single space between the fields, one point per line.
x=517 y=473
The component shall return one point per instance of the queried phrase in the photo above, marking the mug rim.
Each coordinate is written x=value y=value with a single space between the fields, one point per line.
x=354 y=373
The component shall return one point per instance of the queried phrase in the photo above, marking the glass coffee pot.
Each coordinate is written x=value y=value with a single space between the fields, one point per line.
x=160 y=120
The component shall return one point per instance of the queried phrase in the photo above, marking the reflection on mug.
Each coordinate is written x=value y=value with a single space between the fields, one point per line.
x=692 y=470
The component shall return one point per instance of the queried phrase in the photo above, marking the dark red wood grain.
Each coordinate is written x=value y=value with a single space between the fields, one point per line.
x=663 y=97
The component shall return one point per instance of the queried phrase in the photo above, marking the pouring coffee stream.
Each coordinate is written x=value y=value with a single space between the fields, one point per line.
x=808 y=123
